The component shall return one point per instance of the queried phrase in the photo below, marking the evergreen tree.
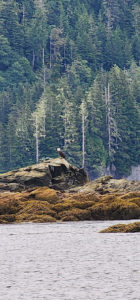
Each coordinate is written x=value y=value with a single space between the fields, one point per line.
x=127 y=120
x=69 y=77
x=96 y=136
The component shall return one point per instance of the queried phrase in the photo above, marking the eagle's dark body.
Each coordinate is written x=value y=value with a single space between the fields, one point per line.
x=61 y=153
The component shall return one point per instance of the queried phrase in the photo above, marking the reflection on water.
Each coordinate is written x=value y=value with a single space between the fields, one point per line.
x=68 y=261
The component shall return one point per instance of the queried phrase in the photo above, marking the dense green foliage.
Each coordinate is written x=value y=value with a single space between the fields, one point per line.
x=70 y=78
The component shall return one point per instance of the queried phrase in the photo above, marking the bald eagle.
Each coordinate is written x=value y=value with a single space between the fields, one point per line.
x=61 y=153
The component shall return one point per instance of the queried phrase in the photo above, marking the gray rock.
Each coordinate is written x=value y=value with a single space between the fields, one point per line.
x=55 y=173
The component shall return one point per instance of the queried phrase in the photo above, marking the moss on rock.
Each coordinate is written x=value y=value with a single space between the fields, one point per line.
x=75 y=214
x=7 y=218
x=44 y=194
x=132 y=227
x=44 y=204
x=36 y=218
x=34 y=208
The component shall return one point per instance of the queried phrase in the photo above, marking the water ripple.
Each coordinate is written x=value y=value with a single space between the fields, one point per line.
x=68 y=261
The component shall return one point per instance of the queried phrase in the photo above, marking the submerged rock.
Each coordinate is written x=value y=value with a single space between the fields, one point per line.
x=55 y=173
x=124 y=228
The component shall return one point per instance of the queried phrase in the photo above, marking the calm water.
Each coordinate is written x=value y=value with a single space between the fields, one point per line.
x=68 y=261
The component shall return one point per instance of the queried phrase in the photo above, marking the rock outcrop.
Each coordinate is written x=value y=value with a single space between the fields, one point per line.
x=123 y=228
x=55 y=173
x=107 y=185
x=56 y=191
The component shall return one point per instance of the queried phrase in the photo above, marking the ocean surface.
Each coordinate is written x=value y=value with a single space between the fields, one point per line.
x=68 y=261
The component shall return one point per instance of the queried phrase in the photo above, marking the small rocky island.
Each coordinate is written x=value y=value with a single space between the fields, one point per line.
x=123 y=228
x=54 y=191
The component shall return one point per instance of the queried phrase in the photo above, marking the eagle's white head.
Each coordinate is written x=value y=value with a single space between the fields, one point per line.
x=58 y=149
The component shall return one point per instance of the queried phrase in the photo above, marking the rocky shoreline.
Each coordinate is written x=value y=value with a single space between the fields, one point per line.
x=55 y=191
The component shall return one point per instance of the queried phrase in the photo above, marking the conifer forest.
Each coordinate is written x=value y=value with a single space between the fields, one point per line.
x=70 y=78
